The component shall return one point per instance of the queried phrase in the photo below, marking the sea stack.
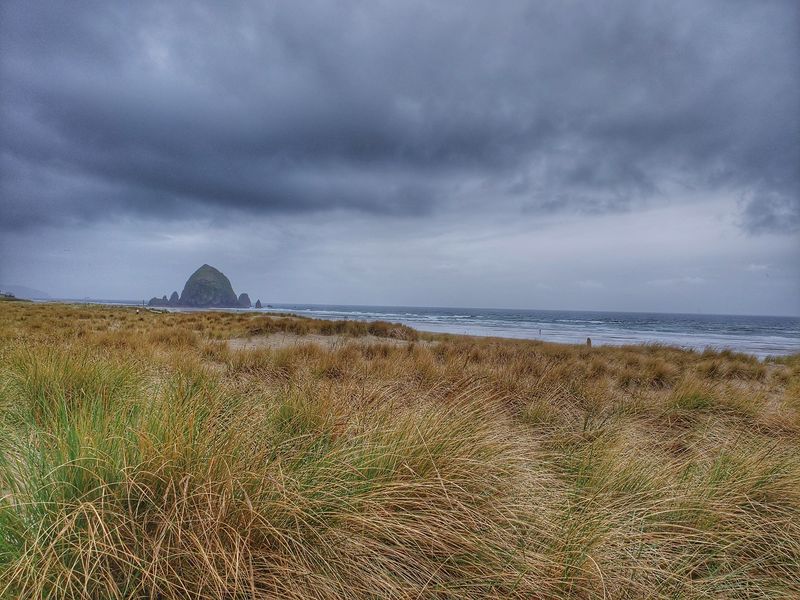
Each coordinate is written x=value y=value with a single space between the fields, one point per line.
x=258 y=303
x=206 y=288
x=154 y=301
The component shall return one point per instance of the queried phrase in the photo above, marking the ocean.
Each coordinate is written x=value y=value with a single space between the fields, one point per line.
x=761 y=336
x=758 y=335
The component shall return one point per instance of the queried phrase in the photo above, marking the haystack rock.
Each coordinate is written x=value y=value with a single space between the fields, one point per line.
x=206 y=288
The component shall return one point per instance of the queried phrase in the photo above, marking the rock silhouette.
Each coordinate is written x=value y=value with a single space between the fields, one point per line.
x=206 y=288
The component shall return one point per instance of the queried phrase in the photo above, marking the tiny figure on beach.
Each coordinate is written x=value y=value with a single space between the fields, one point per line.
x=589 y=342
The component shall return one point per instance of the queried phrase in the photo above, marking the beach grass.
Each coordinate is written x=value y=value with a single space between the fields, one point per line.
x=142 y=455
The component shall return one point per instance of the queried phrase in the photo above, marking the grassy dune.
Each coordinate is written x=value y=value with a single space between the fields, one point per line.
x=142 y=456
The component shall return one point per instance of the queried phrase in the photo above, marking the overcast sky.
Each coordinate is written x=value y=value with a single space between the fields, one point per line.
x=613 y=155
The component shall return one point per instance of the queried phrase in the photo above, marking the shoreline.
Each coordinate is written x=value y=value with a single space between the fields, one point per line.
x=761 y=345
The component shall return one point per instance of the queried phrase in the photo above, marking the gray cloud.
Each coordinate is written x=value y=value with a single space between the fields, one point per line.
x=160 y=110
x=772 y=211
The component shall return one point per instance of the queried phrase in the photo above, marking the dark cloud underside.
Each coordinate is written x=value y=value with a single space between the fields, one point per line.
x=207 y=109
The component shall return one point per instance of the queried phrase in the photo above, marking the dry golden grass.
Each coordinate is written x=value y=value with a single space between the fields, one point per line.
x=142 y=456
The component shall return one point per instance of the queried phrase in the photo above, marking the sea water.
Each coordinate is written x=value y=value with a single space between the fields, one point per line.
x=759 y=335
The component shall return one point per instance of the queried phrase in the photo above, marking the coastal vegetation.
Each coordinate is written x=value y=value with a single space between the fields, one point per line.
x=148 y=454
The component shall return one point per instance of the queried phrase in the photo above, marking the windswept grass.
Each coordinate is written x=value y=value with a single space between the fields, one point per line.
x=142 y=457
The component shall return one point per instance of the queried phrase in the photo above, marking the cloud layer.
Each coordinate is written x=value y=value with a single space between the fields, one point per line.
x=219 y=111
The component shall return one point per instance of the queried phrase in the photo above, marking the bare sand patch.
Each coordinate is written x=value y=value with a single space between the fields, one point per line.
x=288 y=340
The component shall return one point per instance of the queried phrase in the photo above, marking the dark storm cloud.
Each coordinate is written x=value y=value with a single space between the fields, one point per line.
x=169 y=110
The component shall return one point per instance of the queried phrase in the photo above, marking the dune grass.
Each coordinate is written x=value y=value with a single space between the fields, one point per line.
x=142 y=457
